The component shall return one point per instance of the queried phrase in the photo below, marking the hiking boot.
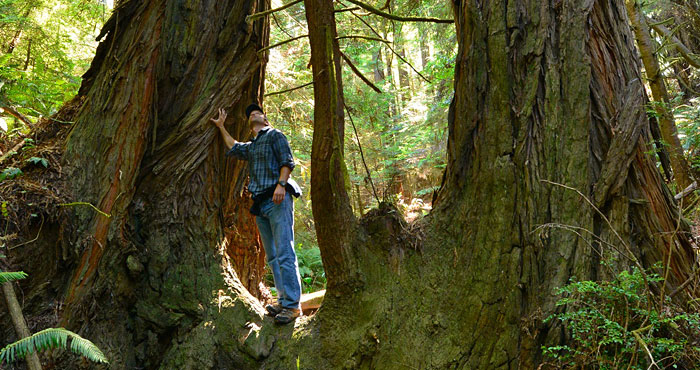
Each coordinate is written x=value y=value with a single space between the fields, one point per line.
x=287 y=315
x=273 y=309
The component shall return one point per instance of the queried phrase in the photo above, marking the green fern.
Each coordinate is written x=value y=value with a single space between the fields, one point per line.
x=11 y=276
x=51 y=338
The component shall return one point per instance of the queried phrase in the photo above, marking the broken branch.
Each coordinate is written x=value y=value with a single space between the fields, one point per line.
x=682 y=49
x=288 y=90
x=11 y=111
x=388 y=45
x=282 y=43
x=255 y=16
x=359 y=74
x=378 y=12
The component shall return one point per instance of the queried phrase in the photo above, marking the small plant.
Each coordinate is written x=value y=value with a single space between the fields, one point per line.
x=47 y=338
x=38 y=160
x=52 y=338
x=617 y=324
x=313 y=277
x=10 y=173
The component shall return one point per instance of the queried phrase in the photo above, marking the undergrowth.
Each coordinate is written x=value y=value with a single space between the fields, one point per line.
x=620 y=324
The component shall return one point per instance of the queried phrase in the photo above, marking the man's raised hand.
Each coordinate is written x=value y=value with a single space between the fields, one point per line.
x=219 y=121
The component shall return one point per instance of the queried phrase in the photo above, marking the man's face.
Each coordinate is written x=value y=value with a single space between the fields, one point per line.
x=256 y=118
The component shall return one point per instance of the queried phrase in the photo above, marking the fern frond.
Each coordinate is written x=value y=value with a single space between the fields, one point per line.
x=11 y=276
x=51 y=338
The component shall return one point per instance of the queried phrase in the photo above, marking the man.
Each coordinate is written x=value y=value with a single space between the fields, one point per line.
x=270 y=164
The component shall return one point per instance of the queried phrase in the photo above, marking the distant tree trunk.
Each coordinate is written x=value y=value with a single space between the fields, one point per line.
x=424 y=47
x=681 y=170
x=404 y=80
x=14 y=41
x=378 y=66
x=29 y=55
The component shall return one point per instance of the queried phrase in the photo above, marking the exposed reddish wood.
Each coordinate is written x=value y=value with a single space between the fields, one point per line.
x=90 y=259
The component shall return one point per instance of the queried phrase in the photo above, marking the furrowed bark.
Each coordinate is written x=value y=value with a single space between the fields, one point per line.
x=143 y=151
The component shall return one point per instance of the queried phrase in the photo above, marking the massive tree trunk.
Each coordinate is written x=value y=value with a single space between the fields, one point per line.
x=545 y=94
x=548 y=98
x=144 y=277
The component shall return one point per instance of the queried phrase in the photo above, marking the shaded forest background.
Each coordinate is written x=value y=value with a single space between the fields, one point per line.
x=396 y=138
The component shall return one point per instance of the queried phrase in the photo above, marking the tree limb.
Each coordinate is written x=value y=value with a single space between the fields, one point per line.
x=682 y=49
x=347 y=9
x=282 y=43
x=255 y=16
x=362 y=154
x=11 y=111
x=398 y=18
x=388 y=45
x=12 y=151
x=358 y=73
x=288 y=90
x=19 y=323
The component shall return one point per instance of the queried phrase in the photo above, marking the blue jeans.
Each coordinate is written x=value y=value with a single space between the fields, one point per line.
x=276 y=226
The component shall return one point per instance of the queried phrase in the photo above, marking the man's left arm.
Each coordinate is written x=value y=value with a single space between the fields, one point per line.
x=283 y=152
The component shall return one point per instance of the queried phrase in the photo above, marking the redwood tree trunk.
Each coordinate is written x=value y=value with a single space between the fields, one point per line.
x=146 y=279
x=548 y=98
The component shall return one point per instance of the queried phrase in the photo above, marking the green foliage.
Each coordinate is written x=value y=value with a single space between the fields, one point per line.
x=313 y=277
x=11 y=276
x=9 y=173
x=37 y=160
x=616 y=324
x=51 y=338
x=46 y=46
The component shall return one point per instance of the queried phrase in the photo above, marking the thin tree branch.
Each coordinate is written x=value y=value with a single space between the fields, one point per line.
x=288 y=90
x=282 y=43
x=255 y=16
x=685 y=284
x=363 y=37
x=358 y=73
x=347 y=9
x=12 y=151
x=11 y=111
x=388 y=45
x=362 y=155
x=277 y=22
x=398 y=18
x=682 y=49
x=19 y=322
x=366 y=24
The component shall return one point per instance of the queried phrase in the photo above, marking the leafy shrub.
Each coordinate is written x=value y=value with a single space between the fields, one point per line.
x=313 y=277
x=618 y=324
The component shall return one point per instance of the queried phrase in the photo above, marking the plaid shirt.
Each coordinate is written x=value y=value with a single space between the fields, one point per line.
x=267 y=153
